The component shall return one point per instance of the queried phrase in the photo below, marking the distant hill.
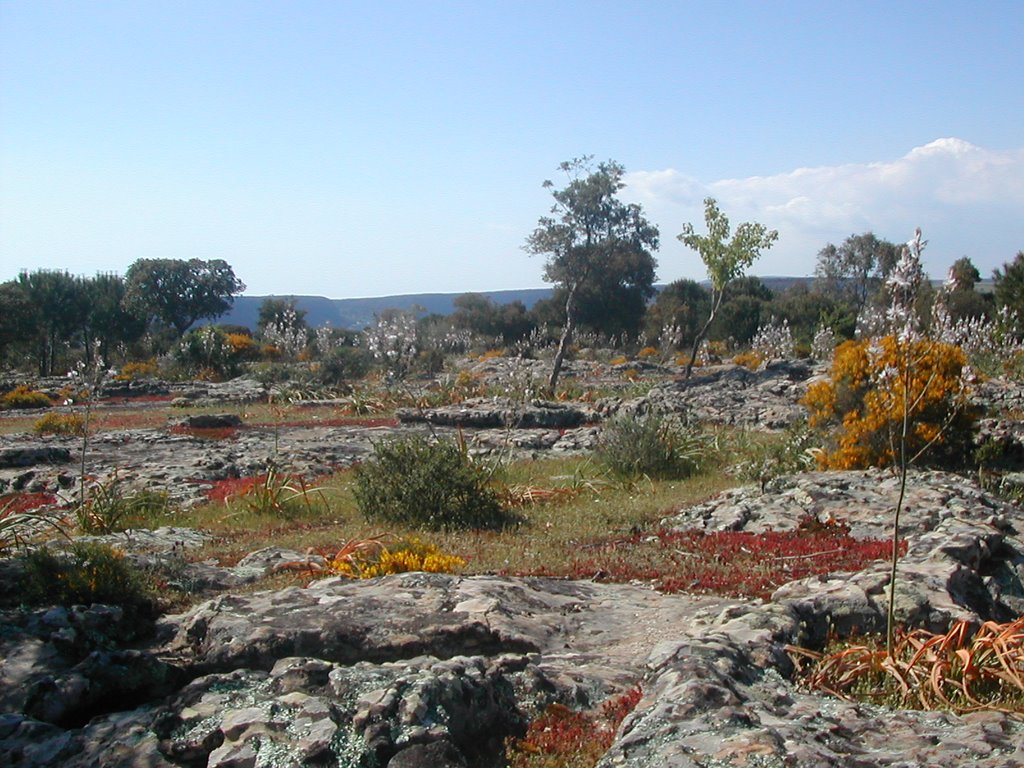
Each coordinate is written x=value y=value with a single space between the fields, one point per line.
x=359 y=313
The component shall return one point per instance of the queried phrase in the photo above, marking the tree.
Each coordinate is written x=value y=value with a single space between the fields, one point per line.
x=681 y=306
x=109 y=320
x=281 y=313
x=1009 y=285
x=593 y=239
x=746 y=306
x=806 y=311
x=855 y=270
x=963 y=275
x=16 y=318
x=613 y=302
x=480 y=315
x=961 y=299
x=58 y=302
x=725 y=261
x=178 y=293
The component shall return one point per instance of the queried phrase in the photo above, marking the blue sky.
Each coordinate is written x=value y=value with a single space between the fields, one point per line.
x=369 y=148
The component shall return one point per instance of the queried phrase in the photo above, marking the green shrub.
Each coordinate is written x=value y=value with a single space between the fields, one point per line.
x=653 y=445
x=21 y=397
x=111 y=509
x=83 y=574
x=344 y=364
x=413 y=481
x=60 y=424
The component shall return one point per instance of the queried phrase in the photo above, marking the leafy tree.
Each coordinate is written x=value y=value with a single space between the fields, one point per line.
x=962 y=300
x=1009 y=285
x=855 y=270
x=805 y=310
x=474 y=312
x=480 y=315
x=746 y=306
x=593 y=240
x=513 y=322
x=682 y=305
x=614 y=301
x=178 y=293
x=281 y=313
x=725 y=259
x=58 y=302
x=964 y=275
x=109 y=320
x=16 y=318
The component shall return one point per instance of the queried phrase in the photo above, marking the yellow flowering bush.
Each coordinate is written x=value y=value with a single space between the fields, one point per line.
x=133 y=371
x=874 y=384
x=24 y=397
x=750 y=359
x=407 y=555
x=70 y=424
x=242 y=346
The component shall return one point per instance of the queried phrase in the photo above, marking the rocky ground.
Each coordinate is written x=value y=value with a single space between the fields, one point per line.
x=435 y=670
x=185 y=465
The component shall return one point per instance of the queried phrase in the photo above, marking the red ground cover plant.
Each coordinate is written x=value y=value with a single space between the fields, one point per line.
x=232 y=487
x=565 y=738
x=728 y=563
x=18 y=503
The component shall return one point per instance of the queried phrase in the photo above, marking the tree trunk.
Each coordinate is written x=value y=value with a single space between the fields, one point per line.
x=563 y=342
x=715 y=304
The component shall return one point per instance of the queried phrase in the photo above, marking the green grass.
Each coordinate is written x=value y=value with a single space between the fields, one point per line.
x=591 y=509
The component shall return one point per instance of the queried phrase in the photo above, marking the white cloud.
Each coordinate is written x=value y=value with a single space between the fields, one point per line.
x=968 y=200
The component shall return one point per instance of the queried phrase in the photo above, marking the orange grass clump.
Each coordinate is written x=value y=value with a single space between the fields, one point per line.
x=957 y=671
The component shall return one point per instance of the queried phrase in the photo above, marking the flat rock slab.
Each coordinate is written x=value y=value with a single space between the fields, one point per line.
x=610 y=627
x=432 y=666
x=767 y=398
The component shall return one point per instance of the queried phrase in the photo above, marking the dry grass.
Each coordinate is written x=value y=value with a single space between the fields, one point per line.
x=561 y=504
x=960 y=671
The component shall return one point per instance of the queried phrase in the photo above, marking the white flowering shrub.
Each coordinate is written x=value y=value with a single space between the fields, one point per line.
x=671 y=336
x=392 y=341
x=990 y=344
x=325 y=341
x=205 y=350
x=871 y=323
x=286 y=333
x=774 y=341
x=823 y=345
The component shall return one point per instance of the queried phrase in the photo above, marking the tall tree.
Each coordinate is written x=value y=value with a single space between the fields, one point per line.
x=178 y=293
x=1009 y=286
x=282 y=313
x=725 y=259
x=855 y=270
x=16 y=319
x=963 y=275
x=961 y=299
x=59 y=302
x=108 y=319
x=592 y=239
x=679 y=309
